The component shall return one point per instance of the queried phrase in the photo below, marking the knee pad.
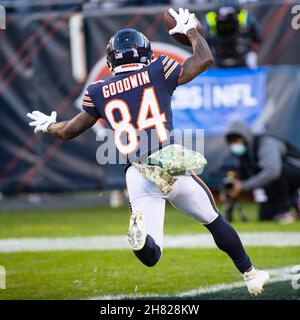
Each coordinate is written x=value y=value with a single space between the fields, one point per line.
x=150 y=254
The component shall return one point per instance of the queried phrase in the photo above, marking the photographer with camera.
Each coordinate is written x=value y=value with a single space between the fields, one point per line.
x=267 y=164
x=232 y=34
x=231 y=203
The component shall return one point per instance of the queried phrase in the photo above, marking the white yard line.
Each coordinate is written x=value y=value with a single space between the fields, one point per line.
x=277 y=275
x=204 y=240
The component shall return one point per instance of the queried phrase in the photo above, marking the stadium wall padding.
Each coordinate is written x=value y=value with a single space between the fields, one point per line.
x=35 y=73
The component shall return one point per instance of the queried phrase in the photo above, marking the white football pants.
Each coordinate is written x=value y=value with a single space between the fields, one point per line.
x=189 y=195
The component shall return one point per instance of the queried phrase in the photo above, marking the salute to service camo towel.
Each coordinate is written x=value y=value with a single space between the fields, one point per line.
x=164 y=164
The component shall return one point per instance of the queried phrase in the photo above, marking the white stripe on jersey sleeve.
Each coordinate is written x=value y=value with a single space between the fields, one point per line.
x=167 y=74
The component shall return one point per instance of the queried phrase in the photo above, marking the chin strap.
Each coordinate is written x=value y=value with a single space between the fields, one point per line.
x=128 y=67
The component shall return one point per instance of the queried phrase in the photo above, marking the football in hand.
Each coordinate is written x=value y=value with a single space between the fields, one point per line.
x=170 y=23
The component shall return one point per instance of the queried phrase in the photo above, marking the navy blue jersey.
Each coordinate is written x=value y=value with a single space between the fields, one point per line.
x=137 y=104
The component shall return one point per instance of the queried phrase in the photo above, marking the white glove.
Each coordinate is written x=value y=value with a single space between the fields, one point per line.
x=251 y=59
x=184 y=21
x=41 y=121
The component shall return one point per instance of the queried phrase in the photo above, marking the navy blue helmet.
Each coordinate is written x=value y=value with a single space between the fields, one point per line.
x=128 y=46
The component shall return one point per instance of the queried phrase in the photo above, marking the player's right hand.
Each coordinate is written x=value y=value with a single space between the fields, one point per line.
x=41 y=121
x=184 y=21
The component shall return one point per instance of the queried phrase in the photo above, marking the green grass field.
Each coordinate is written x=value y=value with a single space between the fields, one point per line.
x=86 y=274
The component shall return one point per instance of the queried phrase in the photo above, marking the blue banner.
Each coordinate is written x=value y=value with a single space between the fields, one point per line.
x=219 y=96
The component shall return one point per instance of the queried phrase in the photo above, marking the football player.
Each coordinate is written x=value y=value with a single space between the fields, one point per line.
x=138 y=98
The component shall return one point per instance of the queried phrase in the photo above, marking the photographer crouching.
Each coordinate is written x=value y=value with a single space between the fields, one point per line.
x=268 y=165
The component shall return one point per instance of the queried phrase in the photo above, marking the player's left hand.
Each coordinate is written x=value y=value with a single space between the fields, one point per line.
x=41 y=121
x=184 y=21
x=236 y=190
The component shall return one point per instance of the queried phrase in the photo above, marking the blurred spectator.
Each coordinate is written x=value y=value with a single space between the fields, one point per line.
x=147 y=2
x=187 y=2
x=232 y=34
x=106 y=4
x=28 y=6
x=268 y=164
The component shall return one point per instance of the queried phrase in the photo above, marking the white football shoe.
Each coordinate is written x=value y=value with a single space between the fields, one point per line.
x=137 y=233
x=255 y=281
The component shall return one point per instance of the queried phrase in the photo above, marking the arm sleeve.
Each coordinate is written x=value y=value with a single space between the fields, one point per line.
x=270 y=154
x=172 y=71
x=89 y=106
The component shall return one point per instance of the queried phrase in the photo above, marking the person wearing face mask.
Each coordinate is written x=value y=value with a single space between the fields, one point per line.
x=269 y=163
